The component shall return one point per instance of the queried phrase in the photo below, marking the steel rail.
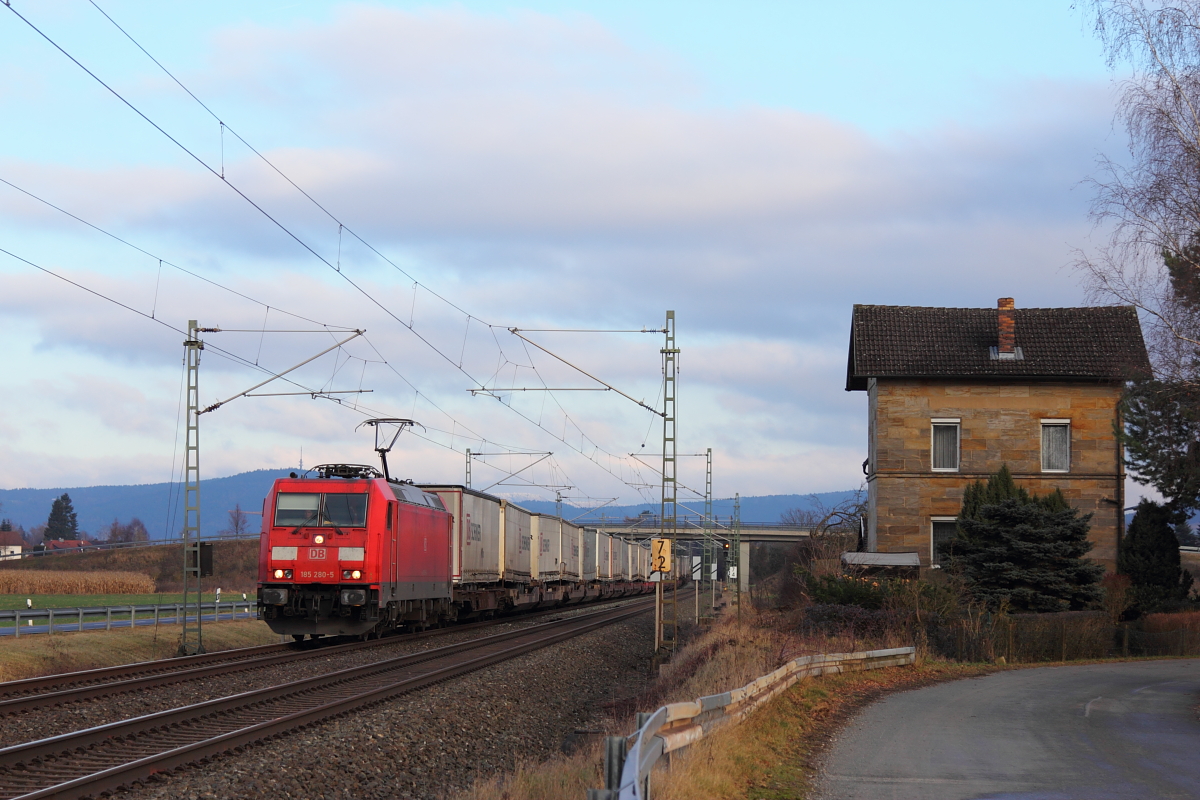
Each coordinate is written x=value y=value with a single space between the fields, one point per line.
x=99 y=759
x=35 y=693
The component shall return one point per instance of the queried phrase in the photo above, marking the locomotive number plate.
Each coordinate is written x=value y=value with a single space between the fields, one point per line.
x=318 y=575
x=316 y=553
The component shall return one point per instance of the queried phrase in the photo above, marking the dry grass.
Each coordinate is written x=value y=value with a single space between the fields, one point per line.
x=75 y=582
x=726 y=656
x=1167 y=623
x=34 y=656
x=564 y=778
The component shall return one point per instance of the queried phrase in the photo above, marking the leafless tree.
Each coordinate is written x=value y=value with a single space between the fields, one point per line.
x=832 y=529
x=1150 y=204
x=36 y=535
x=823 y=519
x=239 y=523
x=115 y=532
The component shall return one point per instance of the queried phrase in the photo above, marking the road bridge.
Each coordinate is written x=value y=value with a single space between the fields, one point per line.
x=690 y=529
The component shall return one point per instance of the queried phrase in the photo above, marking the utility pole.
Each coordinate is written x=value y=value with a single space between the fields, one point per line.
x=735 y=550
x=468 y=468
x=668 y=609
x=197 y=555
x=192 y=640
x=709 y=557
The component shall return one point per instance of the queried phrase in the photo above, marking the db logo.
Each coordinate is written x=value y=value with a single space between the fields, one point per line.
x=316 y=553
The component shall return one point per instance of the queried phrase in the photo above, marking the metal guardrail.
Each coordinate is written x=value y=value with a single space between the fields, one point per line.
x=628 y=761
x=66 y=620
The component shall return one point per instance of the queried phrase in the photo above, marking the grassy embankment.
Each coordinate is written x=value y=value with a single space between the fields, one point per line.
x=156 y=571
x=770 y=755
x=33 y=656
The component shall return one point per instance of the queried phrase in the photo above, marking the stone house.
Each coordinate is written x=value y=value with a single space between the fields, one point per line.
x=954 y=393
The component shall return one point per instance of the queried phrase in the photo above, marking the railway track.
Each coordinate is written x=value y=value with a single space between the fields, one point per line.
x=109 y=756
x=36 y=693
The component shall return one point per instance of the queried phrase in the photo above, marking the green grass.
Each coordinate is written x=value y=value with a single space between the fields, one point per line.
x=12 y=601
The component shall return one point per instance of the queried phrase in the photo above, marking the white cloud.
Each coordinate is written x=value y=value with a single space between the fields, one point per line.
x=541 y=172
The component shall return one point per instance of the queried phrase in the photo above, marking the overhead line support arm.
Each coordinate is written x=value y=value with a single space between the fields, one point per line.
x=517 y=332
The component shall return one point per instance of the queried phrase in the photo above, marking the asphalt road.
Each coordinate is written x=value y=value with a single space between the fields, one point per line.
x=1094 y=732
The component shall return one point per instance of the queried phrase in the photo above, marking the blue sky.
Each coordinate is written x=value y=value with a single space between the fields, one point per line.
x=757 y=167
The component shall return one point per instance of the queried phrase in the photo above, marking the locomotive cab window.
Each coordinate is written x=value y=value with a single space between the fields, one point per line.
x=292 y=509
x=296 y=509
x=345 y=510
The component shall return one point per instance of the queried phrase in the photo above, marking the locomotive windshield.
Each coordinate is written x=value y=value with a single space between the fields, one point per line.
x=296 y=509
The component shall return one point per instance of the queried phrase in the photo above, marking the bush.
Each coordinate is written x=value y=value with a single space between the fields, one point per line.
x=1150 y=557
x=825 y=619
x=1026 y=555
x=843 y=590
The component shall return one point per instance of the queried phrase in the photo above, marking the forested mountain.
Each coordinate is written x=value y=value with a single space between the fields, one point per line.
x=160 y=505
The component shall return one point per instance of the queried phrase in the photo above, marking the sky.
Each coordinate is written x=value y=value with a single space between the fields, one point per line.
x=436 y=174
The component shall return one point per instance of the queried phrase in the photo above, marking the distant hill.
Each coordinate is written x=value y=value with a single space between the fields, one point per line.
x=765 y=508
x=160 y=506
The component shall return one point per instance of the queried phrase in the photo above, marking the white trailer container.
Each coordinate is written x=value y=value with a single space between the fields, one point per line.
x=604 y=556
x=620 y=559
x=588 y=538
x=516 y=542
x=639 y=560
x=547 y=538
x=570 y=552
x=476 y=544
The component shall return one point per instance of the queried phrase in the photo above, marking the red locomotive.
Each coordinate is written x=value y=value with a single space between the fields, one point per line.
x=352 y=552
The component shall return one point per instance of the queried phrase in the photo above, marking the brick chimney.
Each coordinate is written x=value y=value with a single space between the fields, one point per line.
x=1006 y=325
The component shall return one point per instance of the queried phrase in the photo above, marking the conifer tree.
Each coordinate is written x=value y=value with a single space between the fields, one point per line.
x=1150 y=557
x=1162 y=439
x=62 y=523
x=1027 y=550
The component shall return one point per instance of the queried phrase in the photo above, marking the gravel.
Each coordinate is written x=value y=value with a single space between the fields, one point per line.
x=41 y=723
x=440 y=739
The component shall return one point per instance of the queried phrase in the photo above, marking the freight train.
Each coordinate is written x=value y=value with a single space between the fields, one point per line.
x=350 y=551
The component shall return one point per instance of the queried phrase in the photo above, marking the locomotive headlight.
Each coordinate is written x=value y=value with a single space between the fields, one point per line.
x=278 y=573
x=351 y=574
x=356 y=574
x=319 y=539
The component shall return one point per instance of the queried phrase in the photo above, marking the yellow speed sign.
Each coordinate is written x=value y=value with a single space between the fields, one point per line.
x=660 y=555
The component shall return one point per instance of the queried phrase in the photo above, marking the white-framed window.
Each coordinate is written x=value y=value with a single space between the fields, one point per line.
x=1056 y=445
x=944 y=444
x=941 y=529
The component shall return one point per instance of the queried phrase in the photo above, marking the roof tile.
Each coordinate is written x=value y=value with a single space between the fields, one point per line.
x=1095 y=343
